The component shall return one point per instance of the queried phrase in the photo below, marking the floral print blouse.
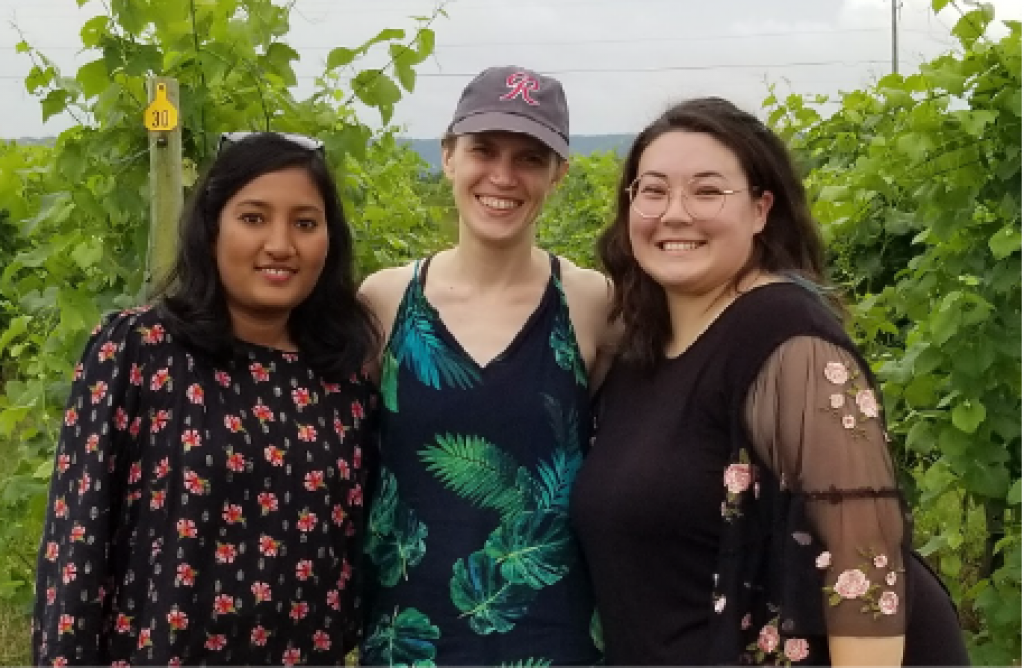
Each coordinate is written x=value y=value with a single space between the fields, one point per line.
x=198 y=513
x=815 y=421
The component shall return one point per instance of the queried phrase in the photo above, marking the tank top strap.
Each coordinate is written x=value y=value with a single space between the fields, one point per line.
x=556 y=266
x=422 y=276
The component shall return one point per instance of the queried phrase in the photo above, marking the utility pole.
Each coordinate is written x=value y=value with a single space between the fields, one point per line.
x=895 y=50
x=166 y=192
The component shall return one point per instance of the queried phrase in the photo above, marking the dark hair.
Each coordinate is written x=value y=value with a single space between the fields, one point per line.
x=789 y=244
x=332 y=328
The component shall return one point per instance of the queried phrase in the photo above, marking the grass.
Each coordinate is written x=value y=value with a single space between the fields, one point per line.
x=15 y=636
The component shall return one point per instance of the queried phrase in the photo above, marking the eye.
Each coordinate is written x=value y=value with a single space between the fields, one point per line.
x=708 y=191
x=307 y=223
x=251 y=218
x=535 y=160
x=653 y=190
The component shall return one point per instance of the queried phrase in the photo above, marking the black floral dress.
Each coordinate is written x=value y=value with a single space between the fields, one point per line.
x=201 y=514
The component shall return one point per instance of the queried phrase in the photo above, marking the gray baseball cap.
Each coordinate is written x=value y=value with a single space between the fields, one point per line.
x=515 y=99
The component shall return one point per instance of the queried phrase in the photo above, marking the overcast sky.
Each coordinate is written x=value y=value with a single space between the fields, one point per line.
x=621 y=61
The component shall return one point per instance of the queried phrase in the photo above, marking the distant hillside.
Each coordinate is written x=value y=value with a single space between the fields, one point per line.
x=430 y=149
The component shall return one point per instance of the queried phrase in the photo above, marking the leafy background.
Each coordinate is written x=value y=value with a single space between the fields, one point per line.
x=916 y=181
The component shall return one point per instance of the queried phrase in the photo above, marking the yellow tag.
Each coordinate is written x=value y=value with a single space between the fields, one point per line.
x=161 y=115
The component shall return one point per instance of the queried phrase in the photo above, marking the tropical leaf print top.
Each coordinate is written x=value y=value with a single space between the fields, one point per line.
x=202 y=514
x=469 y=540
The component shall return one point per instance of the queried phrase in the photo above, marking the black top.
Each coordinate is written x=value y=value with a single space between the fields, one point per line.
x=739 y=501
x=469 y=535
x=199 y=513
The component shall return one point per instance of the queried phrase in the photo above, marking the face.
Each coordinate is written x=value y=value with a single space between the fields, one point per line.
x=687 y=254
x=272 y=244
x=500 y=181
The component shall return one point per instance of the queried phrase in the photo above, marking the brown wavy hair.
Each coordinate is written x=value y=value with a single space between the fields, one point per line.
x=789 y=245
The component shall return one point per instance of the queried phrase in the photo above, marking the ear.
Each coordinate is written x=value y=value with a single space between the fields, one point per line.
x=762 y=206
x=561 y=169
x=447 y=153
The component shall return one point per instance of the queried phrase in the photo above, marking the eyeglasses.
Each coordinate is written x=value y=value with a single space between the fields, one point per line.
x=309 y=143
x=650 y=196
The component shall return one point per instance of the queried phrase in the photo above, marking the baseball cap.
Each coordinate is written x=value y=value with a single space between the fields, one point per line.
x=515 y=99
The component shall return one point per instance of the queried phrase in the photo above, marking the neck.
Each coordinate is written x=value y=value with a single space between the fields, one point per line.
x=692 y=314
x=263 y=330
x=490 y=267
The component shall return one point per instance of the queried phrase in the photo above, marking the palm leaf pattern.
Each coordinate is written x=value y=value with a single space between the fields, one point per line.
x=478 y=471
x=555 y=478
x=402 y=639
x=531 y=662
x=563 y=340
x=396 y=538
x=417 y=345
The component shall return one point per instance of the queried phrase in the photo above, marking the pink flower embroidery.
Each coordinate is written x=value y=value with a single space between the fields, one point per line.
x=824 y=560
x=746 y=622
x=768 y=639
x=888 y=603
x=737 y=478
x=852 y=584
x=880 y=561
x=797 y=649
x=836 y=373
x=867 y=404
x=890 y=579
x=836 y=400
x=849 y=422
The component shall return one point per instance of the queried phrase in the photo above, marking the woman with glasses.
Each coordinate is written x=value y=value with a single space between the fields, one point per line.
x=739 y=504
x=206 y=503
x=492 y=351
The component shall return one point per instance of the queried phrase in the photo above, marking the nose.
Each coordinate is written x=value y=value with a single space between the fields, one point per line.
x=503 y=173
x=676 y=212
x=278 y=242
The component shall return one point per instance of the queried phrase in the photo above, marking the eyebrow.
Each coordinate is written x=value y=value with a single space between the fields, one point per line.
x=698 y=175
x=264 y=205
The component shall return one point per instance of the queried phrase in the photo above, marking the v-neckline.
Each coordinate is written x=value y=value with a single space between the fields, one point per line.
x=513 y=344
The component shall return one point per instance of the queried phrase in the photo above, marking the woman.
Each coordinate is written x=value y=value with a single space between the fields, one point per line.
x=739 y=502
x=206 y=503
x=486 y=375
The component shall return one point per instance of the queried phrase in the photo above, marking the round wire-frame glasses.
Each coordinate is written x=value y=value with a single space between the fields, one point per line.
x=650 y=197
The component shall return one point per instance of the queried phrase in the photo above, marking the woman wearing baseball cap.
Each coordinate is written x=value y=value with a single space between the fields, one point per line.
x=493 y=348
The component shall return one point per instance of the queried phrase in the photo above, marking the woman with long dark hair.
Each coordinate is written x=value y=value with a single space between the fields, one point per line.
x=739 y=505
x=206 y=502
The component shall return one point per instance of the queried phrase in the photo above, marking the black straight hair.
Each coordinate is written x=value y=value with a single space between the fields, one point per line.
x=332 y=328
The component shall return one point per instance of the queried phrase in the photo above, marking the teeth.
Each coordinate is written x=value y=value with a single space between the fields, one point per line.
x=275 y=272
x=495 y=203
x=681 y=245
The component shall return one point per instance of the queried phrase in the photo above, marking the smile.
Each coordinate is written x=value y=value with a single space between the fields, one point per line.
x=680 y=245
x=499 y=203
x=276 y=273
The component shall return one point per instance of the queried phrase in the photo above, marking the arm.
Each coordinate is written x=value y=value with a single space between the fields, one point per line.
x=589 y=295
x=382 y=293
x=815 y=422
x=86 y=490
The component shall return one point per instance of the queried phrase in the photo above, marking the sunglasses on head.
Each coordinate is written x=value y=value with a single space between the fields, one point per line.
x=309 y=143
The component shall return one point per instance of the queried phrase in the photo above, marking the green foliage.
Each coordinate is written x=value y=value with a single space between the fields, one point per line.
x=917 y=183
x=580 y=207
